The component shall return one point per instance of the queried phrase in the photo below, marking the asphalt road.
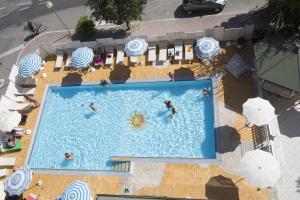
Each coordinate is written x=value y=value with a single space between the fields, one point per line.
x=170 y=9
x=19 y=12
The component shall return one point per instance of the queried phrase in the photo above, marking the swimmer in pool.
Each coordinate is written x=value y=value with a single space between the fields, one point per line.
x=93 y=106
x=68 y=156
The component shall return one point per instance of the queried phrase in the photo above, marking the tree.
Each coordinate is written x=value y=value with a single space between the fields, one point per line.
x=285 y=14
x=85 y=27
x=117 y=11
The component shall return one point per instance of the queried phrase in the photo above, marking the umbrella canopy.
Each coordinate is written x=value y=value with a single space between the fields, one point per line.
x=258 y=111
x=77 y=191
x=9 y=120
x=260 y=168
x=207 y=47
x=30 y=64
x=82 y=57
x=136 y=47
x=19 y=181
x=2 y=193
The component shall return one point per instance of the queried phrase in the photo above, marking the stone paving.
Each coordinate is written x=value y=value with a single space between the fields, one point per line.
x=288 y=187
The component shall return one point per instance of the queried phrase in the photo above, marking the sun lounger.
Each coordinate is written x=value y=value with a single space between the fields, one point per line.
x=277 y=89
x=11 y=105
x=18 y=90
x=237 y=66
x=10 y=94
x=109 y=56
x=17 y=147
x=162 y=52
x=69 y=56
x=277 y=152
x=120 y=55
x=3 y=172
x=16 y=78
x=188 y=50
x=274 y=128
x=59 y=58
x=152 y=54
x=7 y=162
x=178 y=50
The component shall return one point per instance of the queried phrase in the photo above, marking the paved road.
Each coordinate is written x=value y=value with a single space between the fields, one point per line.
x=170 y=9
x=13 y=35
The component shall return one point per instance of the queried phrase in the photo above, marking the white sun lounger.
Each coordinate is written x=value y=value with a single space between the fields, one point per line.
x=59 y=58
x=109 y=56
x=277 y=152
x=10 y=94
x=120 y=56
x=178 y=50
x=162 y=52
x=152 y=54
x=3 y=172
x=188 y=50
x=274 y=127
x=7 y=162
x=11 y=105
x=68 y=61
x=25 y=81
x=18 y=90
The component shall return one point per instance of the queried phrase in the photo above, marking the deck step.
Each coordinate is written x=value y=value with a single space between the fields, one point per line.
x=120 y=166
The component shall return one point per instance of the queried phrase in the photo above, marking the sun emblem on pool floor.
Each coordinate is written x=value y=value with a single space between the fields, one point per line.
x=137 y=120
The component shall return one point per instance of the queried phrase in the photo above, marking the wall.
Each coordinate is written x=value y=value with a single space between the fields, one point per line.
x=218 y=33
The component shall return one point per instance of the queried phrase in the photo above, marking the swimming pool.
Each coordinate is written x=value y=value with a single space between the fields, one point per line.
x=67 y=124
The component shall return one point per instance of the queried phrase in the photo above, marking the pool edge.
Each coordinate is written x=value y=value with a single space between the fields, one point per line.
x=207 y=161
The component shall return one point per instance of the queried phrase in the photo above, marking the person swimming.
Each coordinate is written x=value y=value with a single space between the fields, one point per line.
x=168 y=104
x=206 y=91
x=93 y=106
x=171 y=76
x=104 y=83
x=68 y=156
x=172 y=113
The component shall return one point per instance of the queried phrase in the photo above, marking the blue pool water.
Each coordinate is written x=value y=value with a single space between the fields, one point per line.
x=67 y=124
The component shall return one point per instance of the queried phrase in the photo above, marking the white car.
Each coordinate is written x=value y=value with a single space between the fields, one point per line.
x=191 y=5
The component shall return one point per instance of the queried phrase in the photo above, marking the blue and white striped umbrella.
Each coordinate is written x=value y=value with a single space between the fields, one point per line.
x=77 y=191
x=136 y=47
x=30 y=64
x=82 y=57
x=19 y=181
x=207 y=47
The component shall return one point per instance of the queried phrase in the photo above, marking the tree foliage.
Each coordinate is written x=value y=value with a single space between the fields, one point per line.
x=284 y=15
x=85 y=27
x=117 y=11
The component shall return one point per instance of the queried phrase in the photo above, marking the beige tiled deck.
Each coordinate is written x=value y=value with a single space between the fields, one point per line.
x=178 y=180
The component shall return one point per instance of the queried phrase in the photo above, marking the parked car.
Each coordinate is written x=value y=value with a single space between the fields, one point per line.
x=207 y=5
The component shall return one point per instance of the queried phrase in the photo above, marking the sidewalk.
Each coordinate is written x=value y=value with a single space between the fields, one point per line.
x=156 y=27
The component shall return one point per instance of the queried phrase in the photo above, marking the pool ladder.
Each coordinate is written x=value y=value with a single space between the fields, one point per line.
x=120 y=166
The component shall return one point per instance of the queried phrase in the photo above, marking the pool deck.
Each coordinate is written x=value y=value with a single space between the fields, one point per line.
x=158 y=179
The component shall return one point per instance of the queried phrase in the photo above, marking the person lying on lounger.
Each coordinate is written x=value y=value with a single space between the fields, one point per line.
x=31 y=99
